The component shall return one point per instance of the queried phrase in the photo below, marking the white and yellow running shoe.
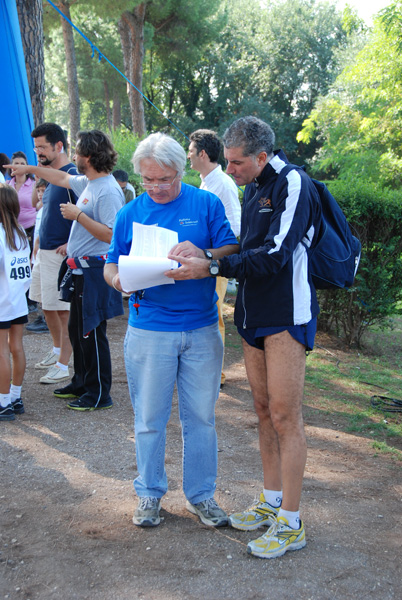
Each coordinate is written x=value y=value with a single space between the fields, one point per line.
x=279 y=538
x=260 y=514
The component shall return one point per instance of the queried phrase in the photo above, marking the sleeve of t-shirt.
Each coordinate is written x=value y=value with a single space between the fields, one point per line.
x=78 y=183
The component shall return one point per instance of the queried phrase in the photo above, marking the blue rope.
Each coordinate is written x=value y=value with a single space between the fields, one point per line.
x=101 y=55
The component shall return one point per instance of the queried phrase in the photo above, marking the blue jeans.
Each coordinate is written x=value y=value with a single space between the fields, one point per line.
x=155 y=361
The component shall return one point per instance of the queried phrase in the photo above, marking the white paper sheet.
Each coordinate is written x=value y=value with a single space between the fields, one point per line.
x=146 y=263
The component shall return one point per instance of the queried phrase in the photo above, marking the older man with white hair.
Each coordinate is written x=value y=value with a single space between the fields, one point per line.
x=173 y=334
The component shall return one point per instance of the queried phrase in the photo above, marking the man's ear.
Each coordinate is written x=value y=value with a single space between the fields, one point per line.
x=262 y=158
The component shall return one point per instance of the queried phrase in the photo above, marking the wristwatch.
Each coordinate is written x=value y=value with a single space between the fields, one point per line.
x=208 y=254
x=214 y=268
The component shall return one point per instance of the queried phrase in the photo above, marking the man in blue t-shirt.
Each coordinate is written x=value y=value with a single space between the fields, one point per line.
x=173 y=334
x=50 y=147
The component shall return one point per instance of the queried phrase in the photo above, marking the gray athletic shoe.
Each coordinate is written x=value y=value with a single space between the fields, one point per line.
x=209 y=512
x=147 y=512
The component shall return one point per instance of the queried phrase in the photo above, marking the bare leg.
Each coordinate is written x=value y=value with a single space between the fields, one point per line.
x=257 y=375
x=54 y=324
x=65 y=344
x=18 y=354
x=5 y=363
x=286 y=361
x=221 y=286
x=276 y=377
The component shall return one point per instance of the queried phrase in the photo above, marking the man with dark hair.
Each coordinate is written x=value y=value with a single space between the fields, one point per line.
x=50 y=147
x=92 y=300
x=276 y=312
x=203 y=153
x=122 y=179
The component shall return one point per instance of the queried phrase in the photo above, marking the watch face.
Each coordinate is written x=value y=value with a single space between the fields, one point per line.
x=214 y=268
x=208 y=254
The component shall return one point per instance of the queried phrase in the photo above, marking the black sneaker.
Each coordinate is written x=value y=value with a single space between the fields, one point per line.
x=7 y=413
x=66 y=392
x=85 y=404
x=18 y=406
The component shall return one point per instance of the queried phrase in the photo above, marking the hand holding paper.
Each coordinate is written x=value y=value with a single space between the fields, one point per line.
x=144 y=267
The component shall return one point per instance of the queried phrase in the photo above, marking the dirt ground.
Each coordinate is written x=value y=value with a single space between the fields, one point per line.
x=67 y=502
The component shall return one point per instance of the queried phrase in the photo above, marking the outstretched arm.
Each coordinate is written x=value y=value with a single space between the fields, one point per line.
x=54 y=176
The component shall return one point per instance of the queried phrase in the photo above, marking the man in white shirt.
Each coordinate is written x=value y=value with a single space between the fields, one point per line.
x=203 y=154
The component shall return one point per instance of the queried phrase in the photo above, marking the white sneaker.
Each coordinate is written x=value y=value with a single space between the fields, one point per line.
x=55 y=375
x=50 y=359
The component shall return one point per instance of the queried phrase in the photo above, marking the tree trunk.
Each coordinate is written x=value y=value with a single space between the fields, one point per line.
x=72 y=78
x=116 y=111
x=107 y=105
x=131 y=29
x=30 y=14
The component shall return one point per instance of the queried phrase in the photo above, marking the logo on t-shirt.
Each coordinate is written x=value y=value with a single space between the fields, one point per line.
x=85 y=201
x=186 y=222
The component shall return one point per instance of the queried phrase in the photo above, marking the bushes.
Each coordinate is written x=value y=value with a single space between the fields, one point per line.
x=376 y=214
x=125 y=144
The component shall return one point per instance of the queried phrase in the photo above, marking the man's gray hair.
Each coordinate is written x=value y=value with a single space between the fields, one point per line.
x=251 y=134
x=164 y=150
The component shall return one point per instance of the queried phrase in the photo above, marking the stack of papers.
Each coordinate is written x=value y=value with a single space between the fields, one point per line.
x=146 y=264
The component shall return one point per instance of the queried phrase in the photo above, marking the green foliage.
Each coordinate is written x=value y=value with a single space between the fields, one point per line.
x=192 y=178
x=206 y=62
x=359 y=122
x=125 y=144
x=376 y=214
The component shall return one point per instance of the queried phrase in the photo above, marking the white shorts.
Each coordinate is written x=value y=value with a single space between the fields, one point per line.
x=45 y=274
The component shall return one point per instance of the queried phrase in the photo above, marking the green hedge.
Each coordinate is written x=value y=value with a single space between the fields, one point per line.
x=376 y=215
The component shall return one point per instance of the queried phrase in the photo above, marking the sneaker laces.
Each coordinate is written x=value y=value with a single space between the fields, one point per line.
x=276 y=528
x=210 y=503
x=148 y=502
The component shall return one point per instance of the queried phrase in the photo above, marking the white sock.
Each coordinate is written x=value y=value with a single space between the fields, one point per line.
x=62 y=367
x=15 y=392
x=56 y=350
x=293 y=518
x=5 y=400
x=274 y=498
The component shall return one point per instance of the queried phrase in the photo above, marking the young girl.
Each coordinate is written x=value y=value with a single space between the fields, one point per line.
x=15 y=277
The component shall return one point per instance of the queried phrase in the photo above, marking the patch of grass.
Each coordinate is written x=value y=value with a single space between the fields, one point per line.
x=383 y=448
x=340 y=383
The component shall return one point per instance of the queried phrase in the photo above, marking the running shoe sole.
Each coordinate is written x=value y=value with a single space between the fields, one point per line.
x=88 y=408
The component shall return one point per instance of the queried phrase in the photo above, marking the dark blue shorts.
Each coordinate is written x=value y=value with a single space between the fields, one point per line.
x=305 y=334
x=18 y=321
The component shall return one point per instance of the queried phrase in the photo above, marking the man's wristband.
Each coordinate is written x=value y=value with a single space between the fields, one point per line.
x=78 y=216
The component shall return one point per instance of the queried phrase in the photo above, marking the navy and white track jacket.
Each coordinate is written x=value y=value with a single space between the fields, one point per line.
x=275 y=287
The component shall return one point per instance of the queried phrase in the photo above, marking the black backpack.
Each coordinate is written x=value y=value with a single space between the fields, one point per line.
x=335 y=255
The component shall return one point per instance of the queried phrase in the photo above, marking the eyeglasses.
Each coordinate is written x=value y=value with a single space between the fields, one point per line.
x=38 y=149
x=161 y=186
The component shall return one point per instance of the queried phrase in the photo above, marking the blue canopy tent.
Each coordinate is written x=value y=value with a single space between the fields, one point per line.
x=15 y=102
